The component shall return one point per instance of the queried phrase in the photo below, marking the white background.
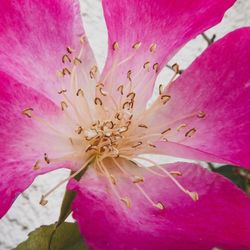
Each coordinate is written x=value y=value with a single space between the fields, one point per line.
x=26 y=214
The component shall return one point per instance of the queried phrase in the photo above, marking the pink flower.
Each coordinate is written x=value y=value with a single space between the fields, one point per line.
x=81 y=118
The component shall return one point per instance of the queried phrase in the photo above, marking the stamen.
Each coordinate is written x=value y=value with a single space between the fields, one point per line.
x=131 y=95
x=82 y=39
x=136 y=45
x=62 y=91
x=137 y=144
x=156 y=67
x=160 y=89
x=120 y=89
x=64 y=105
x=191 y=132
x=28 y=112
x=66 y=58
x=69 y=50
x=175 y=173
x=79 y=92
x=201 y=114
x=129 y=73
x=103 y=93
x=138 y=179
x=77 y=61
x=146 y=65
x=165 y=131
x=46 y=158
x=93 y=72
x=115 y=46
x=176 y=68
x=66 y=71
x=165 y=98
x=153 y=47
x=181 y=127
x=126 y=201
x=36 y=165
x=98 y=101
x=79 y=130
x=142 y=126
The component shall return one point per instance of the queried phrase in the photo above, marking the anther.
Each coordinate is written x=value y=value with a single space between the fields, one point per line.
x=113 y=180
x=120 y=89
x=123 y=129
x=115 y=46
x=153 y=47
x=36 y=165
x=126 y=201
x=79 y=130
x=159 y=205
x=152 y=145
x=90 y=147
x=79 y=92
x=69 y=50
x=165 y=98
x=181 y=127
x=28 y=112
x=131 y=95
x=43 y=201
x=136 y=45
x=137 y=145
x=66 y=58
x=201 y=114
x=156 y=67
x=193 y=195
x=66 y=71
x=98 y=101
x=82 y=39
x=138 y=179
x=190 y=132
x=62 y=91
x=160 y=89
x=46 y=158
x=146 y=65
x=64 y=105
x=175 y=173
x=117 y=116
x=142 y=126
x=93 y=71
x=99 y=85
x=129 y=73
x=77 y=61
x=102 y=92
x=176 y=68
x=165 y=131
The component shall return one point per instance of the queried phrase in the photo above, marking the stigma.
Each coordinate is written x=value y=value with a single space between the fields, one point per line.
x=108 y=127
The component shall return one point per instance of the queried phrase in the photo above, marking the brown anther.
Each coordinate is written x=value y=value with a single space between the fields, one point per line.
x=69 y=50
x=131 y=95
x=175 y=173
x=64 y=105
x=161 y=88
x=113 y=179
x=129 y=73
x=117 y=116
x=138 y=179
x=190 y=132
x=153 y=47
x=180 y=127
x=152 y=145
x=66 y=71
x=165 y=139
x=131 y=116
x=156 y=67
x=109 y=124
x=146 y=65
x=201 y=114
x=126 y=201
x=136 y=45
x=59 y=73
x=193 y=195
x=79 y=92
x=142 y=126
x=120 y=89
x=46 y=158
x=159 y=205
x=66 y=58
x=123 y=129
x=102 y=92
x=115 y=46
x=79 y=130
x=98 y=101
x=165 y=131
x=126 y=105
x=128 y=123
x=77 y=61
x=43 y=201
x=165 y=98
x=82 y=39
x=137 y=145
x=175 y=67
x=62 y=91
x=99 y=84
x=90 y=147
x=28 y=112
x=93 y=72
x=71 y=141
x=36 y=165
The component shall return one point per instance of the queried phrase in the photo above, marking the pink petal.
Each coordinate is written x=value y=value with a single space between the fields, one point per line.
x=220 y=218
x=168 y=24
x=23 y=141
x=34 y=35
x=217 y=83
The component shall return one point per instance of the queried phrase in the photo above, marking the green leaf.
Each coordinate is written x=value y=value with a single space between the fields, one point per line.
x=236 y=174
x=65 y=237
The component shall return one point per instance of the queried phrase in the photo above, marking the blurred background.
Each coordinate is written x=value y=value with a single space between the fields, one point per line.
x=26 y=214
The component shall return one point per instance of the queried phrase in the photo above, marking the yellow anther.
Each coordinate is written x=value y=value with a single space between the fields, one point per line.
x=156 y=67
x=66 y=71
x=175 y=173
x=43 y=201
x=66 y=58
x=138 y=179
x=79 y=92
x=146 y=65
x=93 y=72
x=28 y=112
x=201 y=114
x=115 y=46
x=190 y=132
x=193 y=195
x=176 y=68
x=159 y=205
x=64 y=105
x=153 y=47
x=77 y=61
x=181 y=127
x=126 y=201
x=136 y=45
x=165 y=98
x=82 y=39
